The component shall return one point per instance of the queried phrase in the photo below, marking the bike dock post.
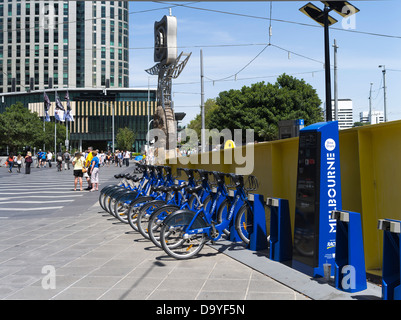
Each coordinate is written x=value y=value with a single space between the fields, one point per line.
x=258 y=237
x=391 y=288
x=280 y=230
x=234 y=237
x=350 y=272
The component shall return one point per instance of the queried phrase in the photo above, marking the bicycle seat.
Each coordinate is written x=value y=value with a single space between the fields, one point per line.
x=194 y=189
x=177 y=187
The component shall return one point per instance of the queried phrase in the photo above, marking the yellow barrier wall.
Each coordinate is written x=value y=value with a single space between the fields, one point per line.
x=370 y=157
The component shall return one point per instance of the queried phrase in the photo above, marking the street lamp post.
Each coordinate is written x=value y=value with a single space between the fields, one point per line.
x=327 y=63
x=322 y=17
x=384 y=91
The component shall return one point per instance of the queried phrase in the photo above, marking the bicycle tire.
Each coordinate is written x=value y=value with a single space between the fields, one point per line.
x=119 y=203
x=222 y=213
x=113 y=198
x=142 y=220
x=172 y=241
x=155 y=222
x=244 y=223
x=103 y=194
x=134 y=209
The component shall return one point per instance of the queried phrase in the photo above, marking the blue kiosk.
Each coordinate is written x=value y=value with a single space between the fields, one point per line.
x=318 y=193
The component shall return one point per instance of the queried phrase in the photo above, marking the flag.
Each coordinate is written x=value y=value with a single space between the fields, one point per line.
x=68 y=115
x=47 y=106
x=59 y=111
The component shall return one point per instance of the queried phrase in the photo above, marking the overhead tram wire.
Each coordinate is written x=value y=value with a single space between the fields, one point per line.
x=284 y=21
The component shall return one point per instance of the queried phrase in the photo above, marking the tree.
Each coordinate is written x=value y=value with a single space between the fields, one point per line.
x=19 y=127
x=125 y=138
x=48 y=139
x=261 y=106
x=196 y=124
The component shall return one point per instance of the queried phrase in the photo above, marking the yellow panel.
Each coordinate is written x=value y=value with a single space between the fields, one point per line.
x=370 y=176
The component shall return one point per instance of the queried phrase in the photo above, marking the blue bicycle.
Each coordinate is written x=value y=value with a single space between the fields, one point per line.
x=185 y=232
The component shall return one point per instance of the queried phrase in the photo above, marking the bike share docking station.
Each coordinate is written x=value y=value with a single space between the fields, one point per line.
x=318 y=193
x=280 y=230
x=391 y=287
x=350 y=272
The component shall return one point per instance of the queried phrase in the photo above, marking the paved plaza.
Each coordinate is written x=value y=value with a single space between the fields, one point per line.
x=59 y=244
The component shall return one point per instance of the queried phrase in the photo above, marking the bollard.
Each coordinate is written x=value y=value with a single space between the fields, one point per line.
x=350 y=272
x=280 y=230
x=391 y=289
x=258 y=237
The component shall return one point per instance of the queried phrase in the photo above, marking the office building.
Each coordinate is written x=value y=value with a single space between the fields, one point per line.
x=345 y=113
x=94 y=111
x=63 y=44
x=376 y=117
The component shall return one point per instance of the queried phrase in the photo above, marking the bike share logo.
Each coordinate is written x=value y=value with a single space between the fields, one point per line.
x=330 y=144
x=331 y=182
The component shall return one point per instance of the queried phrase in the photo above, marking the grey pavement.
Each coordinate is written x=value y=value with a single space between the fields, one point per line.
x=59 y=244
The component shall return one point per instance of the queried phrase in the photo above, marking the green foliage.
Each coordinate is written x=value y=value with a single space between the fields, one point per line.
x=261 y=106
x=125 y=138
x=196 y=124
x=19 y=127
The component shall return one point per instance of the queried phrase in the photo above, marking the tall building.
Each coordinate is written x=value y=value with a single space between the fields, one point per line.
x=63 y=44
x=345 y=113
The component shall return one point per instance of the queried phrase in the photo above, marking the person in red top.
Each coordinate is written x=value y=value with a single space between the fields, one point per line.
x=10 y=162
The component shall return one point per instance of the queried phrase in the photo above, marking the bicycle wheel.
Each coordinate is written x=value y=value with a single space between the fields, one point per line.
x=134 y=208
x=222 y=214
x=103 y=194
x=109 y=196
x=156 y=222
x=113 y=200
x=244 y=223
x=172 y=240
x=121 y=205
x=144 y=214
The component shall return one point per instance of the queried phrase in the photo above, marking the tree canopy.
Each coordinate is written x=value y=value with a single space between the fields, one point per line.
x=19 y=128
x=261 y=106
x=125 y=138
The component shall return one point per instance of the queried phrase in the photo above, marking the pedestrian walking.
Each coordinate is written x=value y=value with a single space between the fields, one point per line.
x=88 y=161
x=127 y=156
x=59 y=159
x=108 y=158
x=120 y=159
x=49 y=158
x=10 y=162
x=94 y=171
x=19 y=162
x=28 y=162
x=44 y=159
x=67 y=159
x=78 y=163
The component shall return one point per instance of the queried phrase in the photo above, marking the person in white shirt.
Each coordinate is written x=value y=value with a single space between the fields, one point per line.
x=49 y=158
x=126 y=157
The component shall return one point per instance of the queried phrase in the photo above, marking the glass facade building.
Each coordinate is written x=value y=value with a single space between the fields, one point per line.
x=94 y=111
x=63 y=44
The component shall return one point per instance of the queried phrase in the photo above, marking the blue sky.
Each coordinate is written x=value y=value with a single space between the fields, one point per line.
x=229 y=42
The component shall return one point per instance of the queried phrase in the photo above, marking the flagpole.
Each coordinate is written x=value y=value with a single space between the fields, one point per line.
x=55 y=127
x=66 y=134
x=44 y=129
